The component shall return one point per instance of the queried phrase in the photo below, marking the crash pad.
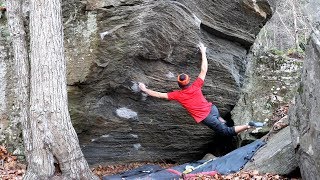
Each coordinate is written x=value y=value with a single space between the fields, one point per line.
x=229 y=163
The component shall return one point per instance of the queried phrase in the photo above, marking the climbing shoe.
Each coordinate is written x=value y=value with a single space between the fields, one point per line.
x=256 y=124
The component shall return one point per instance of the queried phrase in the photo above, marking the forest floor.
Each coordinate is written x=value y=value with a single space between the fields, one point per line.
x=12 y=169
x=242 y=175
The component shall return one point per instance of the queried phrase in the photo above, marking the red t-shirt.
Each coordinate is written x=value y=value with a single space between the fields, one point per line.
x=193 y=100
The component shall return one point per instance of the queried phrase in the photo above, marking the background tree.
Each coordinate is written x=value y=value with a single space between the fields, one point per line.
x=49 y=137
x=20 y=67
x=290 y=26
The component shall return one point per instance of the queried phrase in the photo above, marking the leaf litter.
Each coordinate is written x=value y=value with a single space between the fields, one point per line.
x=12 y=169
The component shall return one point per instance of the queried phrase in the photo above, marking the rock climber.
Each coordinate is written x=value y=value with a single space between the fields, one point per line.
x=191 y=98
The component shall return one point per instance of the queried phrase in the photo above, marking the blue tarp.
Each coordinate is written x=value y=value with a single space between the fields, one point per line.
x=229 y=163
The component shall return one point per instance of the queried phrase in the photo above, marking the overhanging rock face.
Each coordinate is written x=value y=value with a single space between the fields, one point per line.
x=304 y=114
x=112 y=45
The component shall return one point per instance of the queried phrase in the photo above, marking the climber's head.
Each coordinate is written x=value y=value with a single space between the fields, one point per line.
x=183 y=80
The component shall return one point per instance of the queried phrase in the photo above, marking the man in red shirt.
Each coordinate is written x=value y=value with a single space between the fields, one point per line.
x=191 y=98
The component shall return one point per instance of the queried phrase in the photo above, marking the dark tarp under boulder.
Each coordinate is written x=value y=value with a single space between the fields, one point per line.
x=229 y=163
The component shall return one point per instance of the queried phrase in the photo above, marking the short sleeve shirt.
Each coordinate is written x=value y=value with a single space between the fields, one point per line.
x=193 y=100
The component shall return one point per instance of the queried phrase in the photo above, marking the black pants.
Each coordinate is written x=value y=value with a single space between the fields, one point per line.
x=213 y=122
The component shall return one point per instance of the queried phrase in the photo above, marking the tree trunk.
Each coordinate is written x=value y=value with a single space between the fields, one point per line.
x=49 y=137
x=20 y=67
x=296 y=35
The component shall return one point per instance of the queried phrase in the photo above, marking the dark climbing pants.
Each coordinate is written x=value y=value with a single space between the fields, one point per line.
x=213 y=122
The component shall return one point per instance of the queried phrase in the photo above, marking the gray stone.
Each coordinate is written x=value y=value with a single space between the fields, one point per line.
x=277 y=156
x=152 y=42
x=304 y=113
x=271 y=82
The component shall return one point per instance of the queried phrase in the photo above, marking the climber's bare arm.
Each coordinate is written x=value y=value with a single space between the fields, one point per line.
x=204 y=62
x=152 y=92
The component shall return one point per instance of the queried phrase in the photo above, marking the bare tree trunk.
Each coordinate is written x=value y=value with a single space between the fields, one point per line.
x=284 y=24
x=53 y=137
x=294 y=13
x=20 y=67
x=49 y=136
x=266 y=39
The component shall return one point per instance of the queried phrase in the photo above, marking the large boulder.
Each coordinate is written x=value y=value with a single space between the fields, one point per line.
x=153 y=41
x=304 y=114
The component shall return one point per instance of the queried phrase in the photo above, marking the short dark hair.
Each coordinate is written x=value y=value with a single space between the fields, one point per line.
x=183 y=81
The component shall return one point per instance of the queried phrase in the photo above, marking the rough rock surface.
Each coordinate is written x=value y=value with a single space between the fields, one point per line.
x=277 y=156
x=304 y=114
x=153 y=41
x=271 y=81
x=111 y=45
